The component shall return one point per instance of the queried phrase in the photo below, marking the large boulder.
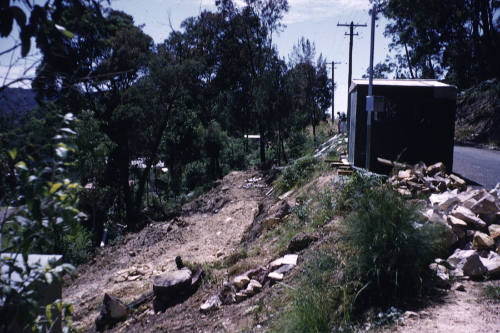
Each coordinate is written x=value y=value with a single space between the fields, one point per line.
x=467 y=262
x=113 y=311
x=469 y=217
x=485 y=205
x=171 y=287
x=492 y=264
x=482 y=241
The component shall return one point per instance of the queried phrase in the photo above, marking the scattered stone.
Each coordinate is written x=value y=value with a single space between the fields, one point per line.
x=241 y=281
x=113 y=311
x=259 y=274
x=212 y=304
x=410 y=315
x=301 y=241
x=442 y=276
x=288 y=259
x=275 y=276
x=228 y=293
x=482 y=241
x=284 y=269
x=458 y=287
x=444 y=200
x=253 y=288
x=171 y=287
x=240 y=296
x=456 y=222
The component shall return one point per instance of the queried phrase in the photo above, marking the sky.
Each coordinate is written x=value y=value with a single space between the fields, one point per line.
x=313 y=19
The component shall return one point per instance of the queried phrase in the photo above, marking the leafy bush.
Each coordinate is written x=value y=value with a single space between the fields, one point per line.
x=296 y=174
x=492 y=292
x=349 y=192
x=195 y=174
x=392 y=256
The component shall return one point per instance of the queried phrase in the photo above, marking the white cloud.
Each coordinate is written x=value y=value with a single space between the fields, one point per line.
x=305 y=10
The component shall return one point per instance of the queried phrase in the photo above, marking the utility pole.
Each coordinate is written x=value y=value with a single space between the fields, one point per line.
x=333 y=86
x=370 y=100
x=351 y=34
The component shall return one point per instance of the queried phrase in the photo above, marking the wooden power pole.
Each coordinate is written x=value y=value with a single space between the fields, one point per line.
x=333 y=87
x=351 y=34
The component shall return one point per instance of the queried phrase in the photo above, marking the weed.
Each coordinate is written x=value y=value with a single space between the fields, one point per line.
x=296 y=174
x=492 y=292
x=391 y=255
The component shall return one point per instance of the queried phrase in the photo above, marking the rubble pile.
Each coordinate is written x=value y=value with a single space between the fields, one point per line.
x=426 y=180
x=250 y=283
x=471 y=217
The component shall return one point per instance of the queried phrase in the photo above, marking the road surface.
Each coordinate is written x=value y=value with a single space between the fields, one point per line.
x=479 y=165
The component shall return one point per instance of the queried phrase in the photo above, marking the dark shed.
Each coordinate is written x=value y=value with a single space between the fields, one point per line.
x=414 y=121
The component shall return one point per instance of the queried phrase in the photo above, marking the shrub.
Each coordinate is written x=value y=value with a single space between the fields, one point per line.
x=492 y=292
x=392 y=256
x=349 y=192
x=296 y=174
x=195 y=174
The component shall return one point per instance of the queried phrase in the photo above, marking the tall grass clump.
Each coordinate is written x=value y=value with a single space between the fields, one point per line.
x=350 y=191
x=296 y=174
x=391 y=255
x=314 y=305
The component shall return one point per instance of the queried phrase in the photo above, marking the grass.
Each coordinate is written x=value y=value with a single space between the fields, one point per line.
x=492 y=292
x=297 y=174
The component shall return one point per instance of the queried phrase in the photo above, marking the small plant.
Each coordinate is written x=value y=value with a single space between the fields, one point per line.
x=296 y=174
x=492 y=292
x=392 y=256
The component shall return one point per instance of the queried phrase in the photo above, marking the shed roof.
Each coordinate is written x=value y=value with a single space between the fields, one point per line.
x=400 y=83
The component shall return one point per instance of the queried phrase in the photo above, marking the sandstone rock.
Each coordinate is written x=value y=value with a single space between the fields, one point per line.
x=457 y=181
x=469 y=203
x=492 y=264
x=473 y=267
x=468 y=216
x=172 y=283
x=442 y=276
x=404 y=174
x=482 y=241
x=259 y=274
x=284 y=269
x=459 y=257
x=253 y=288
x=275 y=276
x=301 y=241
x=113 y=310
x=212 y=304
x=456 y=222
x=228 y=293
x=444 y=200
x=494 y=231
x=485 y=205
x=435 y=168
x=240 y=296
x=241 y=281
x=288 y=259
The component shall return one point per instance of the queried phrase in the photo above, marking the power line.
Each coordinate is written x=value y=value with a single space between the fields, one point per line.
x=350 y=34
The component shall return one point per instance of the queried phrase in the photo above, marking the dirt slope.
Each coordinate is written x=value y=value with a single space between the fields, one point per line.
x=210 y=228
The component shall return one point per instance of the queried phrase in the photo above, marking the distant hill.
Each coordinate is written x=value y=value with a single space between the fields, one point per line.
x=16 y=102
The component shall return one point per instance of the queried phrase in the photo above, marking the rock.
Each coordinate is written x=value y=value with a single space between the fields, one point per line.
x=482 y=241
x=253 y=288
x=458 y=259
x=241 y=281
x=456 y=222
x=275 y=276
x=404 y=174
x=468 y=216
x=457 y=181
x=492 y=264
x=240 y=296
x=485 y=205
x=474 y=267
x=444 y=200
x=458 y=287
x=171 y=283
x=410 y=314
x=284 y=269
x=258 y=274
x=494 y=231
x=113 y=310
x=442 y=276
x=228 y=293
x=288 y=259
x=212 y=304
x=301 y=241
x=435 y=168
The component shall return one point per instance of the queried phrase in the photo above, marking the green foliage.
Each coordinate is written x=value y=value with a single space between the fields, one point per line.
x=350 y=191
x=296 y=174
x=392 y=255
x=492 y=292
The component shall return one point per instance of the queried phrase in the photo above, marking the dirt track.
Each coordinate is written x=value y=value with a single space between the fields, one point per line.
x=211 y=228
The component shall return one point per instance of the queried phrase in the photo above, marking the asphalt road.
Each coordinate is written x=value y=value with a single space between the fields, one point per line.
x=479 y=165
